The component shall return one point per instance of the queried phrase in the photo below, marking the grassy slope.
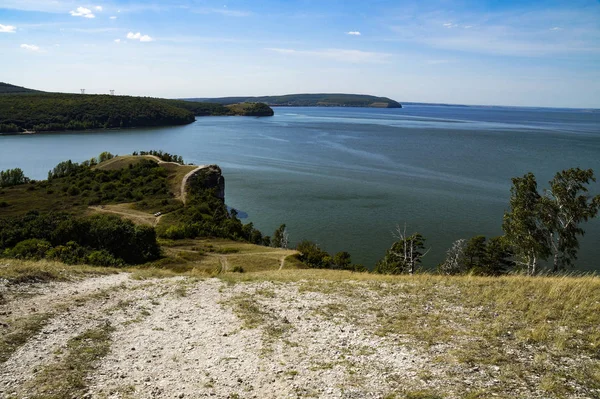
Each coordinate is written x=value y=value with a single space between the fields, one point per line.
x=51 y=196
x=512 y=335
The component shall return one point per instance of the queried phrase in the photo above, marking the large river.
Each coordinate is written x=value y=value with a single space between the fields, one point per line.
x=345 y=177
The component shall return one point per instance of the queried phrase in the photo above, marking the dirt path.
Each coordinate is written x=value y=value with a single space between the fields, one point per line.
x=131 y=214
x=183 y=193
x=184 y=338
x=185 y=179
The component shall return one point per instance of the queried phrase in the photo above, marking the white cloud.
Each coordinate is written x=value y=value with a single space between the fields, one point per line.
x=556 y=28
x=7 y=28
x=98 y=8
x=351 y=56
x=30 y=47
x=83 y=12
x=353 y=33
x=117 y=40
x=139 y=36
x=113 y=17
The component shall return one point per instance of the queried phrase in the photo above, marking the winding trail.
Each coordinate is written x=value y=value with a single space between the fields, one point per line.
x=183 y=193
x=185 y=179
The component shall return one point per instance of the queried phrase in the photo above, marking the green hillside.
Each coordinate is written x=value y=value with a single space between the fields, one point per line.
x=311 y=100
x=39 y=111
x=6 y=88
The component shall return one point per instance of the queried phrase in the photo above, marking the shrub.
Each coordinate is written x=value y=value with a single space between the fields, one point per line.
x=103 y=258
x=30 y=249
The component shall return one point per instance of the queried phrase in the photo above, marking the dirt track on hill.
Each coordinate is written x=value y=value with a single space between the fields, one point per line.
x=193 y=339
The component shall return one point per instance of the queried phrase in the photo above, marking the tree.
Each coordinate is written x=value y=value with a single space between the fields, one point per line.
x=499 y=257
x=342 y=260
x=404 y=255
x=564 y=206
x=522 y=226
x=455 y=258
x=478 y=256
x=12 y=177
x=280 y=237
x=540 y=226
x=475 y=252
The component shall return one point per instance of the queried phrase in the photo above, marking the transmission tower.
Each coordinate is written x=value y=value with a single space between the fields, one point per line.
x=82 y=91
x=112 y=92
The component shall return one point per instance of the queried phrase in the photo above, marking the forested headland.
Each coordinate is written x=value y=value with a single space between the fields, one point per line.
x=311 y=100
x=23 y=110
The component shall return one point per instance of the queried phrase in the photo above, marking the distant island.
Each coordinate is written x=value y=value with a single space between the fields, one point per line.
x=310 y=100
x=25 y=110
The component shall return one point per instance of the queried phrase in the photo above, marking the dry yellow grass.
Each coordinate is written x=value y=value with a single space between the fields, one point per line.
x=121 y=161
x=126 y=211
x=24 y=271
x=536 y=332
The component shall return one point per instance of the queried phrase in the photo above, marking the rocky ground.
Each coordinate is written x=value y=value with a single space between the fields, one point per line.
x=194 y=338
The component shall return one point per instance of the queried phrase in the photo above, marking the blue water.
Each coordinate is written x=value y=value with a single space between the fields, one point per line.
x=345 y=177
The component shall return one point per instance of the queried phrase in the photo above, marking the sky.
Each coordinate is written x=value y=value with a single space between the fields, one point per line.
x=510 y=52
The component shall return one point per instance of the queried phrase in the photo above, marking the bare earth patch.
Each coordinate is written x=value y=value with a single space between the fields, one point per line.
x=183 y=337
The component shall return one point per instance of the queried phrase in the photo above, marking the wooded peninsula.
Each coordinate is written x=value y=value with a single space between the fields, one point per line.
x=311 y=100
x=26 y=110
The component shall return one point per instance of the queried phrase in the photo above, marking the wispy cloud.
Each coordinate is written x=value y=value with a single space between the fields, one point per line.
x=353 y=33
x=113 y=17
x=117 y=40
x=223 y=11
x=30 y=47
x=98 y=8
x=350 y=56
x=7 y=29
x=437 y=62
x=82 y=12
x=139 y=36
x=521 y=32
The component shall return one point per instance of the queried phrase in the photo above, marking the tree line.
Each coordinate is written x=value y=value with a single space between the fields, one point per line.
x=60 y=111
x=538 y=227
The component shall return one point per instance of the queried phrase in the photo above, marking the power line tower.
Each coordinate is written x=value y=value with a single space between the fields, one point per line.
x=112 y=92
x=82 y=91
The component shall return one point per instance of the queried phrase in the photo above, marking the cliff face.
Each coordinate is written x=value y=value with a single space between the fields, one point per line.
x=208 y=178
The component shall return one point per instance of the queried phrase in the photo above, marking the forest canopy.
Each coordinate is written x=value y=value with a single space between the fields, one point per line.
x=58 y=111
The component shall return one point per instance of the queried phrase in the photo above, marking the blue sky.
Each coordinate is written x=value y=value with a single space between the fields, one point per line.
x=544 y=53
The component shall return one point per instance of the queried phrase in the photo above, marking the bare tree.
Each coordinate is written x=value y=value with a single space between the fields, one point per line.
x=404 y=255
x=455 y=258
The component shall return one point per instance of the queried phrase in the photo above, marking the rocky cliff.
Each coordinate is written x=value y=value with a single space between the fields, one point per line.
x=207 y=178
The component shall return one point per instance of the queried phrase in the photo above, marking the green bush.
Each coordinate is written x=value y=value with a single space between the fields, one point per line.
x=103 y=258
x=30 y=249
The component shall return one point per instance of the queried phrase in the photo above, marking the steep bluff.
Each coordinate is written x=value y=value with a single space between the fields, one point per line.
x=208 y=178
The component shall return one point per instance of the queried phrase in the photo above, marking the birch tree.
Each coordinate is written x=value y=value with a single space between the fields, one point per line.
x=522 y=225
x=454 y=263
x=565 y=205
x=404 y=255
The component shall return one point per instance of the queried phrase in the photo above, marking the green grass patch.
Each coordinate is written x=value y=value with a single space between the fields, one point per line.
x=66 y=379
x=19 y=332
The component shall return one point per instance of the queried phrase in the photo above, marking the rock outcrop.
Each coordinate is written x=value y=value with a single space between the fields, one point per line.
x=207 y=178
